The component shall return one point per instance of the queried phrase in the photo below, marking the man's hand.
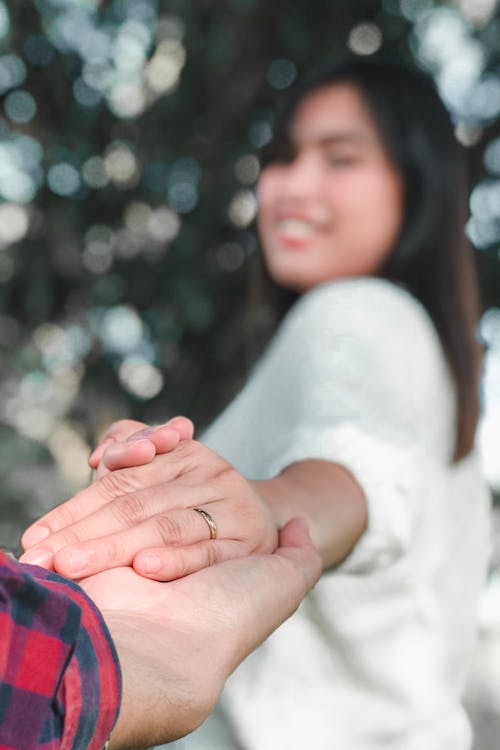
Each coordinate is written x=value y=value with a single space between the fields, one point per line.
x=179 y=642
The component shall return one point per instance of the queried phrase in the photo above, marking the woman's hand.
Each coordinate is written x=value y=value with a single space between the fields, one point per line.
x=130 y=443
x=144 y=516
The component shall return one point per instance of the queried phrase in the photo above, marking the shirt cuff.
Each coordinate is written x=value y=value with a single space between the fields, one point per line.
x=89 y=692
x=387 y=475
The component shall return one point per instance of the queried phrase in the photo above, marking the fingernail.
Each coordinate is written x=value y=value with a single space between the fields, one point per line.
x=97 y=452
x=141 y=435
x=118 y=448
x=35 y=535
x=41 y=557
x=76 y=559
x=151 y=564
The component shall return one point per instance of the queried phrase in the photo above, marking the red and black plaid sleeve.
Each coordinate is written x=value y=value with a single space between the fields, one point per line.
x=59 y=674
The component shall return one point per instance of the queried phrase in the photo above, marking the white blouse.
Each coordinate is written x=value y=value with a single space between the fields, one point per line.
x=376 y=656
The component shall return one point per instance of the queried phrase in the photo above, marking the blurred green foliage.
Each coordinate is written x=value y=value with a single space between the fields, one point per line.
x=129 y=140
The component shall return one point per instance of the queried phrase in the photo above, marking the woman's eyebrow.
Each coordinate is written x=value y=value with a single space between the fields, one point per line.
x=331 y=139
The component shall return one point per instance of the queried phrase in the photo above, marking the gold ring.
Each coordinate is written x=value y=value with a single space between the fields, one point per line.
x=210 y=521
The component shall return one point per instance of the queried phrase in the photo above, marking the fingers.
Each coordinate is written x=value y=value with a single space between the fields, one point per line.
x=133 y=523
x=128 y=430
x=124 y=455
x=169 y=564
x=184 y=427
x=138 y=483
x=116 y=432
x=295 y=544
x=128 y=518
x=142 y=446
x=180 y=539
x=177 y=528
x=126 y=511
x=139 y=449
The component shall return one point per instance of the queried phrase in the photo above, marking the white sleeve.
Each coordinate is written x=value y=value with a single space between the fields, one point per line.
x=368 y=388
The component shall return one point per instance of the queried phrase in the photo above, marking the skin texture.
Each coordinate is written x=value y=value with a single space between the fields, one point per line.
x=334 y=210
x=178 y=643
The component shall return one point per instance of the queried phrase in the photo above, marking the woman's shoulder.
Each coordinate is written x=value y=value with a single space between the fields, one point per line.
x=373 y=327
x=366 y=304
x=368 y=291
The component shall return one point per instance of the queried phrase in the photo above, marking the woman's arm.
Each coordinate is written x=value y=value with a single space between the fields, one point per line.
x=327 y=496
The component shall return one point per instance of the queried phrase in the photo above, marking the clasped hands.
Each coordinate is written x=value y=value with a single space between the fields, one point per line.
x=177 y=642
x=139 y=511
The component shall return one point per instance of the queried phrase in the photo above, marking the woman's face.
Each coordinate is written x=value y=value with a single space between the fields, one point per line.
x=336 y=209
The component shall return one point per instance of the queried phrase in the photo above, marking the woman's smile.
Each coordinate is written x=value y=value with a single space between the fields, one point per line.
x=296 y=231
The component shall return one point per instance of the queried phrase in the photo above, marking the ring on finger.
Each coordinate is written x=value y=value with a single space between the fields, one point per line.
x=210 y=521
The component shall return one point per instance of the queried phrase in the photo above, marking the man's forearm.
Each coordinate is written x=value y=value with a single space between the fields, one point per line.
x=161 y=701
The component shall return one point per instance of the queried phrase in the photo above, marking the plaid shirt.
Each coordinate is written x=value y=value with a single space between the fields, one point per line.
x=59 y=675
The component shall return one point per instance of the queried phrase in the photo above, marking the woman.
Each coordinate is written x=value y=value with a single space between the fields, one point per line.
x=360 y=417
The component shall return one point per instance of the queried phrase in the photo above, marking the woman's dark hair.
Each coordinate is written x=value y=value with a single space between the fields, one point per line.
x=431 y=257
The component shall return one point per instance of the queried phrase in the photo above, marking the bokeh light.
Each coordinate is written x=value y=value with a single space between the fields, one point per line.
x=140 y=377
x=94 y=172
x=183 y=180
x=492 y=156
x=163 y=224
x=477 y=11
x=20 y=106
x=260 y=132
x=243 y=208
x=14 y=223
x=121 y=165
x=63 y=179
x=21 y=173
x=98 y=250
x=247 y=169
x=163 y=70
x=365 y=39
x=281 y=73
x=12 y=72
x=121 y=329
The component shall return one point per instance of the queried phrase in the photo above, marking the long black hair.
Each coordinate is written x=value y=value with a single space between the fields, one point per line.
x=431 y=257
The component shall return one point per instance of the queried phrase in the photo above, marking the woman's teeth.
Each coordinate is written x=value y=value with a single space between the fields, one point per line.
x=297 y=228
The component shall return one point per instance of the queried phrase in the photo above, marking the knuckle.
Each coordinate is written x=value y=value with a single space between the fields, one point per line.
x=211 y=556
x=116 y=483
x=129 y=510
x=169 y=530
x=113 y=551
x=194 y=454
x=228 y=483
x=64 y=538
x=228 y=474
x=59 y=518
x=183 y=566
